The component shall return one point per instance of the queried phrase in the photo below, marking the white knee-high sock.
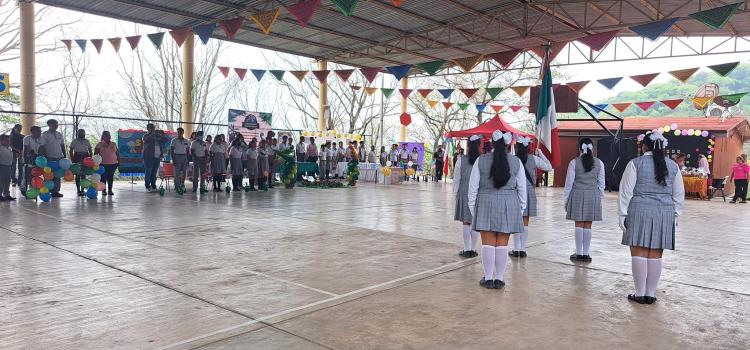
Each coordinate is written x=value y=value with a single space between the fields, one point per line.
x=501 y=261
x=488 y=261
x=579 y=240
x=652 y=279
x=517 y=242
x=467 y=238
x=524 y=238
x=640 y=271
x=586 y=240
x=474 y=239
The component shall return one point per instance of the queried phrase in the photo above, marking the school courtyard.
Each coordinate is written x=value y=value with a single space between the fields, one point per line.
x=371 y=267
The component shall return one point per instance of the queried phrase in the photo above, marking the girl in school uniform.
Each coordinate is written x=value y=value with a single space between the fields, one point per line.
x=584 y=190
x=218 y=151
x=651 y=198
x=236 y=152
x=262 y=164
x=383 y=156
x=497 y=198
x=324 y=163
x=464 y=165
x=252 y=164
x=414 y=158
x=530 y=165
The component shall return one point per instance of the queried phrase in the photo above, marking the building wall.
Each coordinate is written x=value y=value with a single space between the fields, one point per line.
x=726 y=148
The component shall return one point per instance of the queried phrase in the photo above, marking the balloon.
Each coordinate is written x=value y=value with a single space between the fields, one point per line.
x=100 y=186
x=41 y=161
x=388 y=163
x=91 y=193
x=64 y=164
x=43 y=190
x=666 y=128
x=48 y=176
x=690 y=132
x=45 y=197
x=96 y=178
x=75 y=168
x=47 y=170
x=89 y=171
x=32 y=193
x=641 y=137
x=100 y=170
x=88 y=162
x=697 y=133
x=53 y=164
x=59 y=172
x=704 y=133
x=410 y=163
x=37 y=182
x=49 y=184
x=36 y=171
x=97 y=159
x=95 y=167
x=677 y=133
x=674 y=126
x=85 y=183
x=684 y=132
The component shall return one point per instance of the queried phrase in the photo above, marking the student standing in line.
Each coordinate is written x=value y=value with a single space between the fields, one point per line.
x=383 y=156
x=80 y=148
x=333 y=157
x=16 y=144
x=362 y=151
x=311 y=154
x=497 y=198
x=236 y=152
x=651 y=198
x=323 y=162
x=464 y=166
x=218 y=153
x=6 y=161
x=110 y=154
x=53 y=147
x=199 y=153
x=252 y=164
x=300 y=150
x=31 y=145
x=263 y=163
x=414 y=159
x=530 y=165
x=394 y=155
x=584 y=191
x=372 y=157
x=178 y=151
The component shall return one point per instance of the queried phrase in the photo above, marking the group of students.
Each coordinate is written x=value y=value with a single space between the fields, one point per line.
x=331 y=153
x=18 y=153
x=495 y=196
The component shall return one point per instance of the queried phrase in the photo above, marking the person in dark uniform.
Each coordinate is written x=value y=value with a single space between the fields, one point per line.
x=439 y=163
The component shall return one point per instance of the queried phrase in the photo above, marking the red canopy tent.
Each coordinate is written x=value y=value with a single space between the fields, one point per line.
x=486 y=129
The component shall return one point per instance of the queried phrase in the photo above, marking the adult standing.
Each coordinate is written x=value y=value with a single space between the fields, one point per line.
x=439 y=163
x=110 y=154
x=179 y=153
x=80 y=149
x=152 y=153
x=16 y=145
x=199 y=154
x=301 y=149
x=383 y=156
x=311 y=155
x=372 y=157
x=740 y=171
x=651 y=198
x=362 y=151
x=53 y=147
x=703 y=165
x=273 y=148
x=31 y=145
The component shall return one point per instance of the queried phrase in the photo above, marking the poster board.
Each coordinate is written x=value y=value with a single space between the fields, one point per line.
x=249 y=124
x=420 y=150
x=130 y=145
x=4 y=84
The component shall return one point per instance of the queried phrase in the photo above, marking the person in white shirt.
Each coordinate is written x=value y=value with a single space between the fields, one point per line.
x=583 y=194
x=497 y=198
x=372 y=157
x=6 y=160
x=199 y=153
x=80 y=148
x=394 y=155
x=300 y=150
x=383 y=156
x=178 y=149
x=31 y=145
x=236 y=152
x=414 y=159
x=334 y=158
x=362 y=152
x=331 y=156
x=53 y=148
x=323 y=162
x=651 y=198
x=530 y=165
x=703 y=165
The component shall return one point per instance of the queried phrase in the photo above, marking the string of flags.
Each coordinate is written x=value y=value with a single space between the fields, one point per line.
x=728 y=100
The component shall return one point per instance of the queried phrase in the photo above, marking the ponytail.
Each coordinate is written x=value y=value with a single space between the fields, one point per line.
x=657 y=146
x=474 y=150
x=587 y=153
x=500 y=171
x=522 y=152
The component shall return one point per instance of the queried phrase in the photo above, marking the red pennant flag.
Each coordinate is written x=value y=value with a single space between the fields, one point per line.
x=322 y=75
x=115 y=43
x=97 y=44
x=497 y=108
x=344 y=74
x=303 y=11
x=424 y=92
x=554 y=50
x=370 y=72
x=645 y=105
x=469 y=92
x=68 y=43
x=231 y=27
x=241 y=72
x=447 y=105
x=397 y=2
x=405 y=119
x=405 y=92
x=672 y=104
x=577 y=85
x=598 y=41
x=644 y=79
x=179 y=35
x=515 y=108
x=505 y=58
x=622 y=106
x=133 y=41
x=224 y=71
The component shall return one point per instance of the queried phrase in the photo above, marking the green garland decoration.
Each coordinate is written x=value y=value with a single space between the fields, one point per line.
x=352 y=172
x=288 y=169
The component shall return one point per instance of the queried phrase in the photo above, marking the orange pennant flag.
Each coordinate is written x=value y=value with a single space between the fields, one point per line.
x=683 y=74
x=468 y=63
x=115 y=43
x=299 y=74
x=432 y=103
x=447 y=105
x=370 y=90
x=622 y=106
x=497 y=108
x=266 y=19
x=701 y=102
x=520 y=90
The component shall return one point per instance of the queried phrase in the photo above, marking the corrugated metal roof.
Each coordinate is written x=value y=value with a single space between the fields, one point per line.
x=380 y=34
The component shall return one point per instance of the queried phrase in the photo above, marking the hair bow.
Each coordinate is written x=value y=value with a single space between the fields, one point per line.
x=506 y=136
x=658 y=137
x=475 y=137
x=587 y=147
x=523 y=140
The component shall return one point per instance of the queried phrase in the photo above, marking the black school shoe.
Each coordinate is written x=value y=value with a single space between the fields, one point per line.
x=585 y=258
x=522 y=254
x=473 y=254
x=487 y=284
x=576 y=257
x=463 y=254
x=639 y=300
x=514 y=253
x=649 y=300
x=9 y=198
x=499 y=284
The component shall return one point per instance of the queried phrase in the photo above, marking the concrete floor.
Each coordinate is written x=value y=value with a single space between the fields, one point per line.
x=372 y=267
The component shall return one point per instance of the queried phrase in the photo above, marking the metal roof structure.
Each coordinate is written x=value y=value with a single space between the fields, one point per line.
x=380 y=34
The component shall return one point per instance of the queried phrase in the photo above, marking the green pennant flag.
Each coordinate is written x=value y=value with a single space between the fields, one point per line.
x=717 y=17
x=345 y=6
x=156 y=39
x=387 y=92
x=431 y=67
x=278 y=74
x=463 y=106
x=724 y=69
x=493 y=92
x=733 y=99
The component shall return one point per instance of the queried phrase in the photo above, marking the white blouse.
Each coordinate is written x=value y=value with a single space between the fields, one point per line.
x=571 y=176
x=627 y=184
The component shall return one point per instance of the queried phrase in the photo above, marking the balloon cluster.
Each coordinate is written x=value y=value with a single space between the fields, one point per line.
x=45 y=172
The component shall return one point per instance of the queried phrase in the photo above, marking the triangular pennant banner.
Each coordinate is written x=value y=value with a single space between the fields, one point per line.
x=598 y=41
x=554 y=50
x=258 y=73
x=405 y=119
x=344 y=74
x=224 y=71
x=644 y=79
x=683 y=74
x=370 y=90
x=68 y=43
x=431 y=67
x=231 y=27
x=345 y=6
x=493 y=92
x=241 y=72
x=463 y=106
x=405 y=92
x=447 y=105
x=515 y=108
x=355 y=87
x=299 y=74
x=600 y=107
x=468 y=63
x=115 y=43
x=82 y=44
x=717 y=17
x=266 y=19
x=156 y=39
x=505 y=58
x=396 y=3
x=278 y=74
x=729 y=100
x=370 y=73
x=481 y=107
x=609 y=83
x=179 y=35
x=577 y=85
x=672 y=104
x=387 y=92
x=322 y=75
x=622 y=106
x=724 y=69
x=446 y=93
x=645 y=105
x=399 y=71
x=424 y=92
x=653 y=30
x=432 y=103
x=303 y=11
x=497 y=108
x=97 y=44
x=520 y=90
x=133 y=41
x=469 y=92
x=701 y=102
x=205 y=31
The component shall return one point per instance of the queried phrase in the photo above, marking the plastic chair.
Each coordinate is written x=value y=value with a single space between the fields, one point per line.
x=718 y=186
x=168 y=173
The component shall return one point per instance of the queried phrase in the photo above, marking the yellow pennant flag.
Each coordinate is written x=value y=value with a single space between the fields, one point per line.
x=701 y=102
x=266 y=19
x=432 y=103
x=370 y=90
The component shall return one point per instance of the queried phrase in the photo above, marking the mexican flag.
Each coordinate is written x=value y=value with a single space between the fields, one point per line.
x=546 y=118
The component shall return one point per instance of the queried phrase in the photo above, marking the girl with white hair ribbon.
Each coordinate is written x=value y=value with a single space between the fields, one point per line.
x=462 y=171
x=530 y=165
x=651 y=198
x=497 y=198
x=584 y=190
